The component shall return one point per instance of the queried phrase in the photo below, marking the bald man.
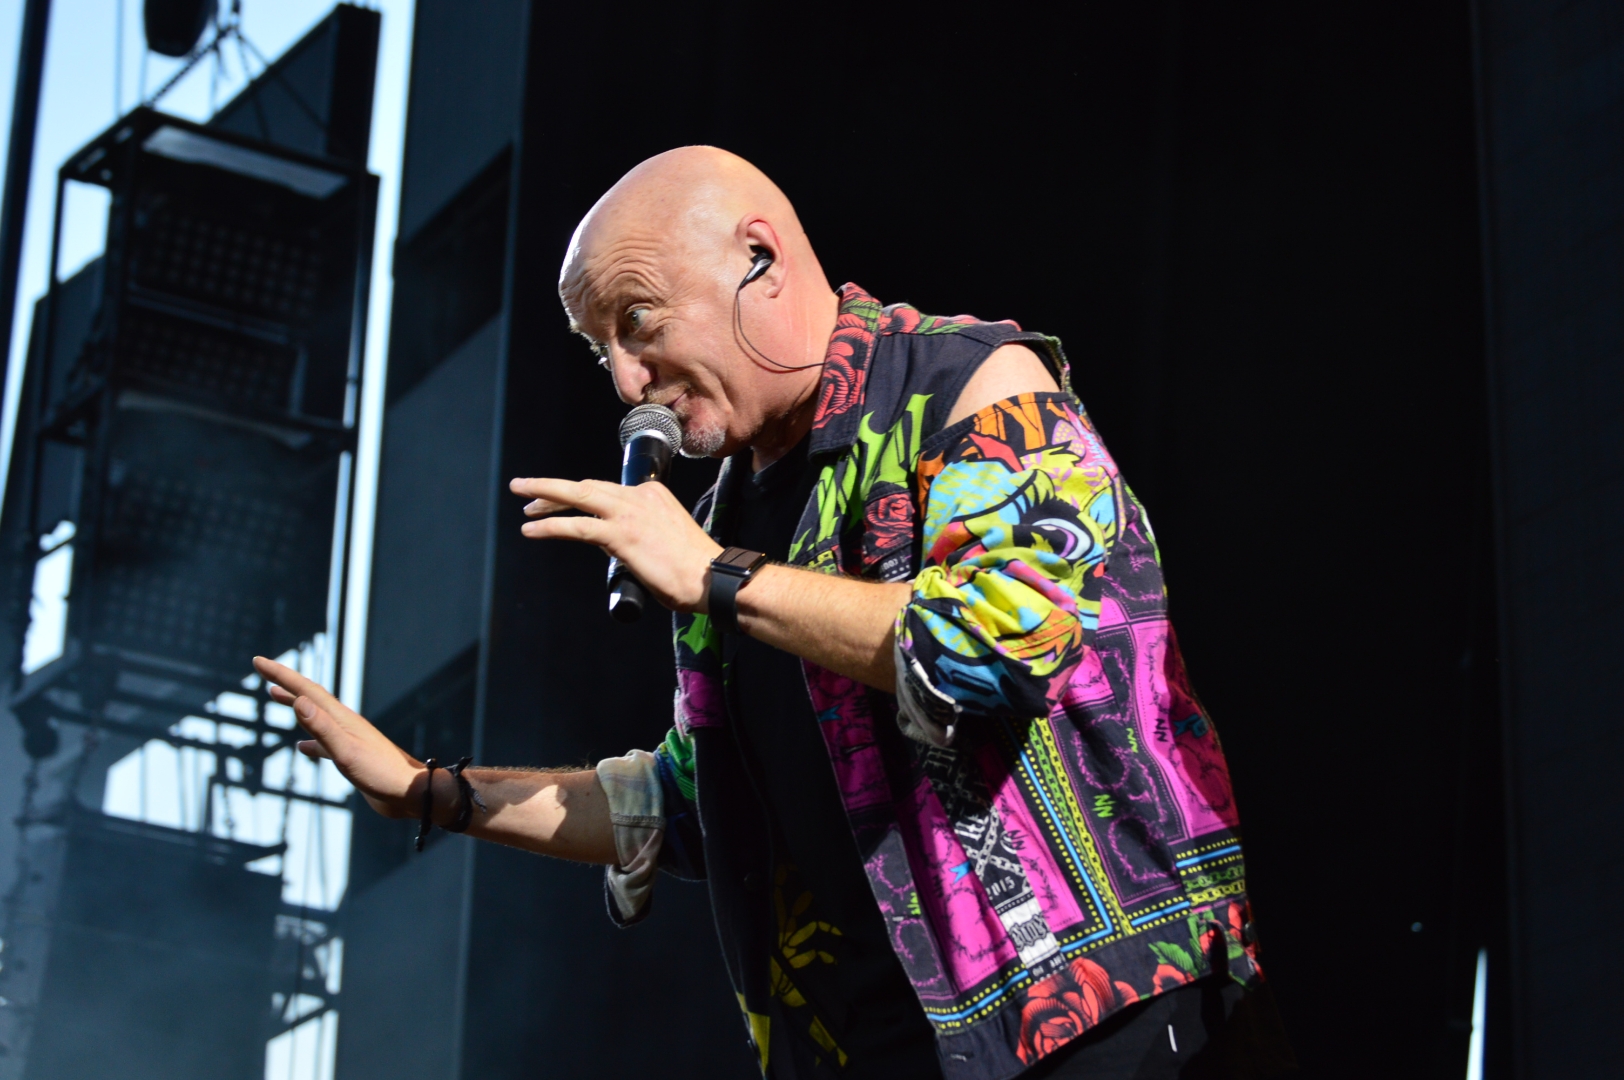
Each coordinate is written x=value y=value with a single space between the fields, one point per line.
x=935 y=753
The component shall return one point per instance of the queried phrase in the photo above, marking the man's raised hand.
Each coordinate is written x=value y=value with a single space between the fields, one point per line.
x=385 y=775
x=645 y=527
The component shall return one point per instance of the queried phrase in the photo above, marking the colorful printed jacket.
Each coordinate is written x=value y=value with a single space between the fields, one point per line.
x=1043 y=810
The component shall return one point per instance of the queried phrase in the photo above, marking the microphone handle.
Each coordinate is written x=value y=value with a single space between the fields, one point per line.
x=627 y=598
x=647 y=457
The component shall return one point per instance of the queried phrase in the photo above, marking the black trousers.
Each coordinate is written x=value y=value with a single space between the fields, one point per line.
x=1212 y=1029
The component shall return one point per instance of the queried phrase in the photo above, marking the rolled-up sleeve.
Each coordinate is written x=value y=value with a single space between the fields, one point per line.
x=637 y=815
x=1021 y=505
x=655 y=822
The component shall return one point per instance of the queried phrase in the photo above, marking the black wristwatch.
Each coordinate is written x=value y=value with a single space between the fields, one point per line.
x=729 y=572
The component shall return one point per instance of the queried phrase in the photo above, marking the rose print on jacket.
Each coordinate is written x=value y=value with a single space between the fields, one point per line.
x=1067 y=1004
x=888 y=524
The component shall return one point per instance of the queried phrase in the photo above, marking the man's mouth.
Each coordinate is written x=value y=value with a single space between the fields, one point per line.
x=672 y=403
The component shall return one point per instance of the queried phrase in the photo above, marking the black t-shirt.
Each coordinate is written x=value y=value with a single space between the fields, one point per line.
x=851 y=978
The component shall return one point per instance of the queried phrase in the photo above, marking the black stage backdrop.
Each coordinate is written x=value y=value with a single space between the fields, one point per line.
x=1256 y=231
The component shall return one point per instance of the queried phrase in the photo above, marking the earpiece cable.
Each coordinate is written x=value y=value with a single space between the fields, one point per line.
x=756 y=271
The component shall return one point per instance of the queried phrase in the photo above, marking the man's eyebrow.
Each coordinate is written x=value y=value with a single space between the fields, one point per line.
x=605 y=303
x=593 y=343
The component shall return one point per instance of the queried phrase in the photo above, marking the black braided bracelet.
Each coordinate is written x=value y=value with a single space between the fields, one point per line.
x=425 y=822
x=467 y=798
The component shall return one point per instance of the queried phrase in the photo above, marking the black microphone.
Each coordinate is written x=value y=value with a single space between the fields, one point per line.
x=649 y=435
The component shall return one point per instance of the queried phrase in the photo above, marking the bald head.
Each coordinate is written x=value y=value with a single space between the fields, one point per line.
x=689 y=202
x=652 y=278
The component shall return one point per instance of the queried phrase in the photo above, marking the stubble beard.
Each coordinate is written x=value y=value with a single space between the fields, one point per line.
x=701 y=442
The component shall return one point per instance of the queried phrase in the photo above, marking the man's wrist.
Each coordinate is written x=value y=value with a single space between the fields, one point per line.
x=446 y=798
x=730 y=572
x=699 y=601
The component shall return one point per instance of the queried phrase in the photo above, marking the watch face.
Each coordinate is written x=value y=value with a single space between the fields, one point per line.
x=741 y=559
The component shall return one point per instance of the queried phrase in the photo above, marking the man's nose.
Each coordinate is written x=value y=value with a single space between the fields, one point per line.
x=631 y=376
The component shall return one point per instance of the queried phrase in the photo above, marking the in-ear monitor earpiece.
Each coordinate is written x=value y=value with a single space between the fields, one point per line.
x=757 y=267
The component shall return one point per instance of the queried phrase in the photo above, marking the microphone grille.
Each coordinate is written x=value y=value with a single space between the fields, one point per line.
x=652 y=418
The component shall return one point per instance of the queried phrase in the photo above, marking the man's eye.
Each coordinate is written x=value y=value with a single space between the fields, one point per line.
x=636 y=316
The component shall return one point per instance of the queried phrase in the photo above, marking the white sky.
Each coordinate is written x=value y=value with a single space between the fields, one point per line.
x=78 y=101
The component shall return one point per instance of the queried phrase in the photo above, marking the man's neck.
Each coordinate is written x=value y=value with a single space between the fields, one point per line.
x=783 y=431
x=781 y=434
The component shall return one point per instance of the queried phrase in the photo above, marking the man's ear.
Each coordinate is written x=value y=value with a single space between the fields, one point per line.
x=758 y=237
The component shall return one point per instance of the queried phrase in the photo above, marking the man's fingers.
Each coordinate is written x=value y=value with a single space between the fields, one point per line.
x=588 y=496
x=318 y=722
x=379 y=769
x=589 y=530
x=538 y=507
x=280 y=675
x=298 y=685
x=314 y=750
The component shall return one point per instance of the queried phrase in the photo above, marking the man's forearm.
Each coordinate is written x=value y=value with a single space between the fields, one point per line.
x=564 y=814
x=839 y=623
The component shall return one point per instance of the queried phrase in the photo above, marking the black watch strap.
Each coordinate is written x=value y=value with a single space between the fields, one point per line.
x=729 y=572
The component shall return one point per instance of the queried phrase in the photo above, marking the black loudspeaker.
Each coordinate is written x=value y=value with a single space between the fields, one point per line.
x=173 y=26
x=195 y=432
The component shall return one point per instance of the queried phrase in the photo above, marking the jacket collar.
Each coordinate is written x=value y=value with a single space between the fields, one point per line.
x=844 y=381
